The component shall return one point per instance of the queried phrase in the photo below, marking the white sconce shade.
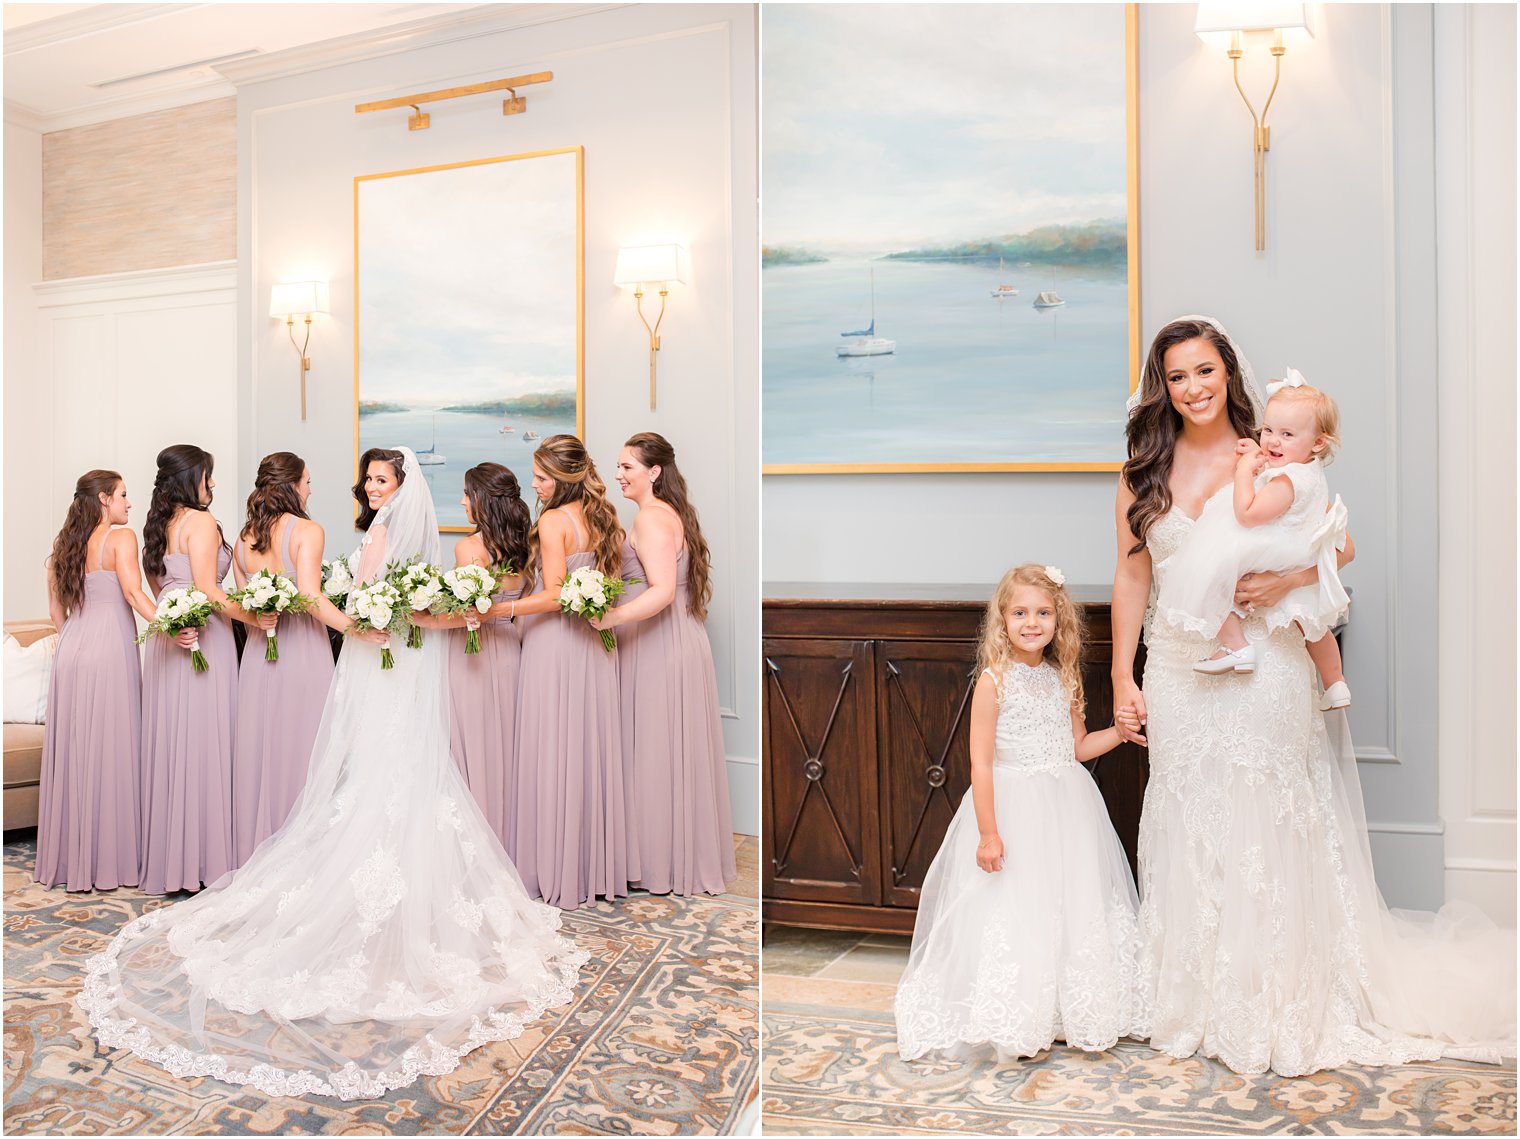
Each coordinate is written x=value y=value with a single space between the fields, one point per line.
x=1215 y=22
x=298 y=298
x=650 y=265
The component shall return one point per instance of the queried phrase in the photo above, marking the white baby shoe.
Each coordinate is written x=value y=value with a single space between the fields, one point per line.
x=1336 y=696
x=1240 y=660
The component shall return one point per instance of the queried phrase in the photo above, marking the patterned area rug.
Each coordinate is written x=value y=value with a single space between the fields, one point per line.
x=660 y=1040
x=831 y=1068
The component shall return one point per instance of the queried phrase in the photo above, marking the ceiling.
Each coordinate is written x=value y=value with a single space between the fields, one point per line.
x=70 y=64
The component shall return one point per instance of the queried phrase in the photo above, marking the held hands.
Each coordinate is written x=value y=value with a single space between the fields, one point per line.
x=187 y=638
x=609 y=621
x=266 y=621
x=1131 y=727
x=1129 y=712
x=989 y=854
x=372 y=636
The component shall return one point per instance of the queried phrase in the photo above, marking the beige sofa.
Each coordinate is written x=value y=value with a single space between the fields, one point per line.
x=23 y=746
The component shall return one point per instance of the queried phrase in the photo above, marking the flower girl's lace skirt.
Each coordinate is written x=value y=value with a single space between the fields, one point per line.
x=1042 y=950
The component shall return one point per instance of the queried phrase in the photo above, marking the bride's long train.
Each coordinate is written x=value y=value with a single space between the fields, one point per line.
x=378 y=936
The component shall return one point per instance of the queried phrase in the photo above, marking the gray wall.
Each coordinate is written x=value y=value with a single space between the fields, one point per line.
x=1344 y=292
x=662 y=98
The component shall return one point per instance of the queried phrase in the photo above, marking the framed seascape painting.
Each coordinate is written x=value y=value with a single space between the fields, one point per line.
x=950 y=271
x=469 y=330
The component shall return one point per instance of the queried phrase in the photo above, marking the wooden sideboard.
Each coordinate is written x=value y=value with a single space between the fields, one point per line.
x=865 y=753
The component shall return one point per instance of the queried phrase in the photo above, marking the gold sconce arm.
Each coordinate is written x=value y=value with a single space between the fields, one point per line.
x=293 y=299
x=1261 y=134
x=654 y=333
x=290 y=327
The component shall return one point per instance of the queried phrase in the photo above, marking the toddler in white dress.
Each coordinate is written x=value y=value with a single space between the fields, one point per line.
x=1272 y=518
x=1026 y=925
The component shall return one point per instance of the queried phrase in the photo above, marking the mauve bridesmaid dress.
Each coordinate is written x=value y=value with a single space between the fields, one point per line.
x=569 y=819
x=90 y=802
x=279 y=707
x=189 y=730
x=483 y=707
x=674 y=762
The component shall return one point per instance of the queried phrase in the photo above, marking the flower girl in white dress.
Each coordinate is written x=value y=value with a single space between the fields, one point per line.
x=1274 y=518
x=1026 y=925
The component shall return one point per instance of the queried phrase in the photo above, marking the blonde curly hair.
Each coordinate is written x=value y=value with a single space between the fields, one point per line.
x=995 y=652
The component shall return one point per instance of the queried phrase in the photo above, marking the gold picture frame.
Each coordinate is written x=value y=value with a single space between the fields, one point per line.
x=1132 y=237
x=462 y=231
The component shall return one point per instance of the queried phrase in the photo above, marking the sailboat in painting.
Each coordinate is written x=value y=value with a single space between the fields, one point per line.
x=1003 y=291
x=864 y=341
x=430 y=457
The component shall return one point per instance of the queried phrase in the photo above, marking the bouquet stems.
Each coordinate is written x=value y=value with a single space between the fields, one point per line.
x=386 y=660
x=472 y=641
x=271 y=645
x=414 y=637
x=198 y=660
x=609 y=642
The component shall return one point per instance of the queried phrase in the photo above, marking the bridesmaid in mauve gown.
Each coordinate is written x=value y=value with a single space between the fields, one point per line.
x=675 y=764
x=483 y=685
x=88 y=817
x=569 y=817
x=189 y=718
x=280 y=702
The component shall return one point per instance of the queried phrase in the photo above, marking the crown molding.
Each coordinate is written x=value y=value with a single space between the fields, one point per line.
x=430 y=31
x=20 y=115
x=85 y=22
x=126 y=106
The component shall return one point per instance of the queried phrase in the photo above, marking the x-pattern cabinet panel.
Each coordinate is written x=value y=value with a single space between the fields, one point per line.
x=866 y=751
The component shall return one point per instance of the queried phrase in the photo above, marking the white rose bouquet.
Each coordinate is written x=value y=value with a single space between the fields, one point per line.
x=588 y=592
x=337 y=581
x=467 y=588
x=178 y=610
x=378 y=605
x=421 y=587
x=268 y=592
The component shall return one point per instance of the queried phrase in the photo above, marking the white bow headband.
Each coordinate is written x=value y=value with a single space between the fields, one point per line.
x=1292 y=378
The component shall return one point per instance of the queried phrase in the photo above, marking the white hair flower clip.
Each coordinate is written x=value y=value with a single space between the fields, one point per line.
x=1055 y=575
x=1292 y=378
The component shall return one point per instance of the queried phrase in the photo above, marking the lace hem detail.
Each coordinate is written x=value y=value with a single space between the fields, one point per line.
x=427 y=1057
x=1093 y=1002
x=1180 y=621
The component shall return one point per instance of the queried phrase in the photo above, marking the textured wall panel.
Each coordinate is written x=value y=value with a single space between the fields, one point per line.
x=145 y=192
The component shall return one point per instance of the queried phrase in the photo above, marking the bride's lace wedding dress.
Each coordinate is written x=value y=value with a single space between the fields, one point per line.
x=1264 y=940
x=380 y=934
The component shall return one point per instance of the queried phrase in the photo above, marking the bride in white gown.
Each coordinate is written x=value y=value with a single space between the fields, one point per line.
x=381 y=933
x=1264 y=940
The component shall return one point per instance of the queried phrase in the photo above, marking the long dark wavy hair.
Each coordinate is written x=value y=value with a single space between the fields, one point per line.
x=1155 y=424
x=71 y=546
x=177 y=483
x=375 y=455
x=564 y=459
x=274 y=496
x=654 y=450
x=501 y=516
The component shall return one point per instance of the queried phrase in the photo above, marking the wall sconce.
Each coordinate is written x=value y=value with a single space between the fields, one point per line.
x=299 y=298
x=1218 y=23
x=656 y=266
